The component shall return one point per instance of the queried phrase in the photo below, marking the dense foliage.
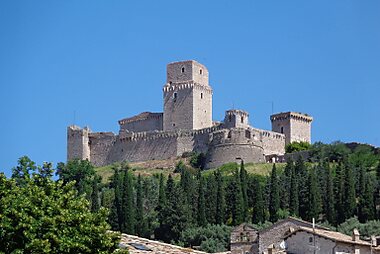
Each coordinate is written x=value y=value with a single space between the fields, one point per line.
x=335 y=184
x=39 y=215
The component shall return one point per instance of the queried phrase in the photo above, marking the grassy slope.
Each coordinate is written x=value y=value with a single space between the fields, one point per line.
x=227 y=169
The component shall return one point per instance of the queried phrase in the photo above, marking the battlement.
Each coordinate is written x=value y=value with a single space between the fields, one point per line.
x=169 y=87
x=284 y=116
x=138 y=136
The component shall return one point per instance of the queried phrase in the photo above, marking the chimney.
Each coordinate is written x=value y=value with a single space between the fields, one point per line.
x=373 y=241
x=355 y=235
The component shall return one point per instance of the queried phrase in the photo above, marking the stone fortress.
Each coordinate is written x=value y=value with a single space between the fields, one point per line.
x=186 y=126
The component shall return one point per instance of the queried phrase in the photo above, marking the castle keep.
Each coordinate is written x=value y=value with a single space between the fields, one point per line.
x=186 y=126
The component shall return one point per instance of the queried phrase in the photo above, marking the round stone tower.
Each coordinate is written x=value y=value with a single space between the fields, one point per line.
x=187 y=97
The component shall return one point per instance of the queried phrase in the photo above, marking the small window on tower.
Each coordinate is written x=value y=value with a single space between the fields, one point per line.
x=175 y=96
x=229 y=118
x=183 y=69
x=282 y=130
x=242 y=119
x=201 y=95
x=200 y=71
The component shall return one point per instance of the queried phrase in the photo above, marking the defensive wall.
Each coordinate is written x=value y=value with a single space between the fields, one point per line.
x=221 y=145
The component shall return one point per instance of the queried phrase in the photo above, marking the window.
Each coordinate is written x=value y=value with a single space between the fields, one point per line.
x=183 y=69
x=310 y=239
x=201 y=95
x=173 y=124
x=200 y=71
x=247 y=134
x=242 y=119
x=229 y=118
x=282 y=130
x=175 y=96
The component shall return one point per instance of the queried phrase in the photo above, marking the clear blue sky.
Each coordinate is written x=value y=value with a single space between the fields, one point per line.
x=106 y=60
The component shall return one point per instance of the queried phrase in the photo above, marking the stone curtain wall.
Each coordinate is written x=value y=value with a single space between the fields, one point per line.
x=273 y=142
x=101 y=144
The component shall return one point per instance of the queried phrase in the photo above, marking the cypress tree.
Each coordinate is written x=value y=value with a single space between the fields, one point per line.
x=329 y=197
x=244 y=188
x=274 y=198
x=235 y=199
x=220 y=198
x=339 y=190
x=188 y=186
x=116 y=214
x=95 y=201
x=302 y=177
x=258 y=215
x=366 y=209
x=161 y=199
x=174 y=214
x=285 y=182
x=314 y=199
x=201 y=203
x=349 y=198
x=211 y=198
x=140 y=225
x=128 y=225
x=294 y=198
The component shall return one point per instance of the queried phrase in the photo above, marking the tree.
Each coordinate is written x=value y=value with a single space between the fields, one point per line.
x=349 y=196
x=220 y=198
x=95 y=201
x=274 y=198
x=366 y=208
x=314 y=199
x=174 y=218
x=285 y=182
x=329 y=207
x=80 y=171
x=297 y=146
x=128 y=208
x=294 y=198
x=140 y=226
x=244 y=188
x=50 y=217
x=201 y=217
x=302 y=176
x=235 y=199
x=258 y=209
x=22 y=172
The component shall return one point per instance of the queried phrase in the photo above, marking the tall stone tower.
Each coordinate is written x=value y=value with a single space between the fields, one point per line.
x=78 y=143
x=295 y=126
x=187 y=97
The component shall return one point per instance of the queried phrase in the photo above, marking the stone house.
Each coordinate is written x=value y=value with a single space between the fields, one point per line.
x=319 y=241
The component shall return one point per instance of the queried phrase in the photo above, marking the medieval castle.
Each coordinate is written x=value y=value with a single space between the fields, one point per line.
x=186 y=126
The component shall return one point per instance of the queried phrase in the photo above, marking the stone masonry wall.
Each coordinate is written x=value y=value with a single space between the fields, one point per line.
x=202 y=102
x=273 y=142
x=228 y=144
x=178 y=107
x=154 y=121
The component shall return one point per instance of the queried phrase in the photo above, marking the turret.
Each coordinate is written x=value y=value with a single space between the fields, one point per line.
x=235 y=118
x=78 y=146
x=295 y=126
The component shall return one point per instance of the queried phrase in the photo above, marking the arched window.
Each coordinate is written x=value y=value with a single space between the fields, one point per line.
x=201 y=95
x=200 y=71
x=175 y=96
x=183 y=69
